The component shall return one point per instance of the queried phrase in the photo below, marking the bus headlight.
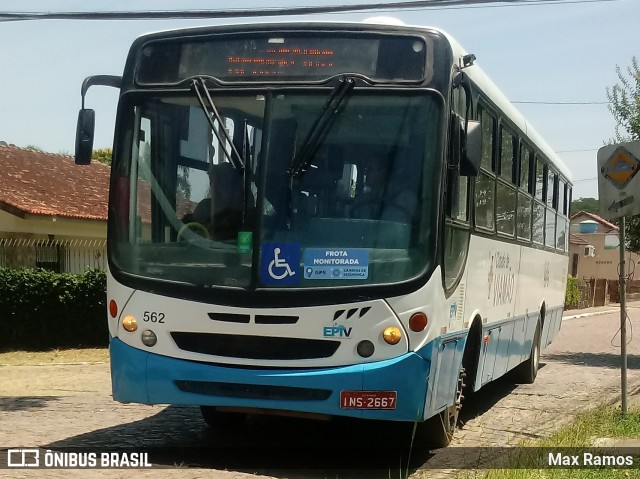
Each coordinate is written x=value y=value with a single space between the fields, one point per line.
x=149 y=338
x=392 y=335
x=130 y=323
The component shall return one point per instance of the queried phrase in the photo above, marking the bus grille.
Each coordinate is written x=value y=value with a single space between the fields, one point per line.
x=255 y=347
x=253 y=391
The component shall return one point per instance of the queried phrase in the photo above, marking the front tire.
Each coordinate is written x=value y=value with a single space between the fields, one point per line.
x=438 y=431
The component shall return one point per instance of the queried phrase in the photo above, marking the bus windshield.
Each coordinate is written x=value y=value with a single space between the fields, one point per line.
x=213 y=199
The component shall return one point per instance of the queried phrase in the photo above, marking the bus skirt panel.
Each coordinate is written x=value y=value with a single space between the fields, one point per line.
x=393 y=389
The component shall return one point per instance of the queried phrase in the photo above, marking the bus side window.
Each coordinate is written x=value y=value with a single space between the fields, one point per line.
x=505 y=189
x=524 y=195
x=485 y=182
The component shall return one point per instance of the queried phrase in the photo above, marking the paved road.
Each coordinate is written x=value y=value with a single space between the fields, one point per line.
x=70 y=405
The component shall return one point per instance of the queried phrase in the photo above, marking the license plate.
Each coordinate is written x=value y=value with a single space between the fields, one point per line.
x=368 y=399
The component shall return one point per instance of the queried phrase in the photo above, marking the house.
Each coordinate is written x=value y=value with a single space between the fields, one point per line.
x=594 y=247
x=53 y=213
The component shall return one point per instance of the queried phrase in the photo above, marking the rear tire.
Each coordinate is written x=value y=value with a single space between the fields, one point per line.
x=526 y=372
x=217 y=419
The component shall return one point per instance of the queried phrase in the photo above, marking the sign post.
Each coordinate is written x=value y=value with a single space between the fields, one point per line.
x=619 y=196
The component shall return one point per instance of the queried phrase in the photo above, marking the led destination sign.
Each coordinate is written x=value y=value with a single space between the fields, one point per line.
x=280 y=61
x=283 y=58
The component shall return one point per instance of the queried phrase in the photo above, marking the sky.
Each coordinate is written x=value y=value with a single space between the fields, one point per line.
x=562 y=52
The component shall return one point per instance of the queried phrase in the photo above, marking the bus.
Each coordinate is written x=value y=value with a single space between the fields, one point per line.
x=325 y=220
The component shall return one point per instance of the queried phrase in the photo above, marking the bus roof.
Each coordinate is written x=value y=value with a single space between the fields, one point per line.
x=492 y=92
x=477 y=75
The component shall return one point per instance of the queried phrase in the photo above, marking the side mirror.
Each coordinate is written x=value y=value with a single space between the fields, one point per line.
x=85 y=130
x=472 y=149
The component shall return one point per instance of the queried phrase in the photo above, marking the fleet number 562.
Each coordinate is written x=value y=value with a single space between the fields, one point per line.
x=153 y=317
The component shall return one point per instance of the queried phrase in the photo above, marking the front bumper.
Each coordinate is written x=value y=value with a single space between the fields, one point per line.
x=142 y=377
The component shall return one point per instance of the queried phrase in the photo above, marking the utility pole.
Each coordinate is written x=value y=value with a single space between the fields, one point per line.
x=623 y=318
x=618 y=187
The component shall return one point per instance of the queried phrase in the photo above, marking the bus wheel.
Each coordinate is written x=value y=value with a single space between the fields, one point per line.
x=438 y=431
x=526 y=372
x=217 y=419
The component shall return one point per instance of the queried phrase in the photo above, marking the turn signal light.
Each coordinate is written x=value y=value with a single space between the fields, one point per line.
x=418 y=322
x=392 y=335
x=130 y=323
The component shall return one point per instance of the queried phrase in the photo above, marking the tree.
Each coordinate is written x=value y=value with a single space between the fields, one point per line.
x=624 y=105
x=590 y=205
x=103 y=155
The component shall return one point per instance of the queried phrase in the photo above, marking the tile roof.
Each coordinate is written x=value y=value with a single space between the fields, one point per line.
x=37 y=183
x=579 y=240
x=597 y=218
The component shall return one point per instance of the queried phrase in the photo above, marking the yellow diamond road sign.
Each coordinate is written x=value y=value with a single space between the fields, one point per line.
x=621 y=167
x=618 y=180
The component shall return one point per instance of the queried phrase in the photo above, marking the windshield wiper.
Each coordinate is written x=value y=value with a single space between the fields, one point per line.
x=221 y=133
x=302 y=159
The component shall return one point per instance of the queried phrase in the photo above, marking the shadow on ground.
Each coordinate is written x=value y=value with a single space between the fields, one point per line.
x=281 y=447
x=596 y=360
x=25 y=403
x=177 y=436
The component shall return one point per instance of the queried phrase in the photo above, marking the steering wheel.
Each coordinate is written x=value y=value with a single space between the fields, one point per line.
x=196 y=227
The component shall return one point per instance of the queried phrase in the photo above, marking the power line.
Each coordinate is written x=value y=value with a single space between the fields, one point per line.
x=562 y=102
x=275 y=11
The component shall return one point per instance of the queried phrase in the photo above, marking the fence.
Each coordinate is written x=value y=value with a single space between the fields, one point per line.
x=59 y=255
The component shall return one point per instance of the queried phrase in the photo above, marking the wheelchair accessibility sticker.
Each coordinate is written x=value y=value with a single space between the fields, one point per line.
x=336 y=263
x=280 y=264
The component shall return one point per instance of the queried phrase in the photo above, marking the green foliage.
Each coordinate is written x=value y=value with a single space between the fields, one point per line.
x=624 y=104
x=33 y=148
x=40 y=309
x=572 y=294
x=590 y=205
x=103 y=155
x=632 y=232
x=532 y=460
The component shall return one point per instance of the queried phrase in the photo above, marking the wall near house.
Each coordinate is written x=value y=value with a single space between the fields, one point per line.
x=65 y=245
x=604 y=265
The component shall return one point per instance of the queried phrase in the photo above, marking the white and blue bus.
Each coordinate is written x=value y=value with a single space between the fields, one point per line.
x=325 y=219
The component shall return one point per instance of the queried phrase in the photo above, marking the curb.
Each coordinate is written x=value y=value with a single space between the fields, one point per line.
x=592 y=313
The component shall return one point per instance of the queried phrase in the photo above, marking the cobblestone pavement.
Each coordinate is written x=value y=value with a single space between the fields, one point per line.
x=70 y=405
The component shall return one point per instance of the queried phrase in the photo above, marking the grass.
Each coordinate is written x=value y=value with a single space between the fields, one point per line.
x=602 y=422
x=55 y=356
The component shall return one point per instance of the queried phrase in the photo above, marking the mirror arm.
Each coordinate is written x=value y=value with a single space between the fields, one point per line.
x=102 y=80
